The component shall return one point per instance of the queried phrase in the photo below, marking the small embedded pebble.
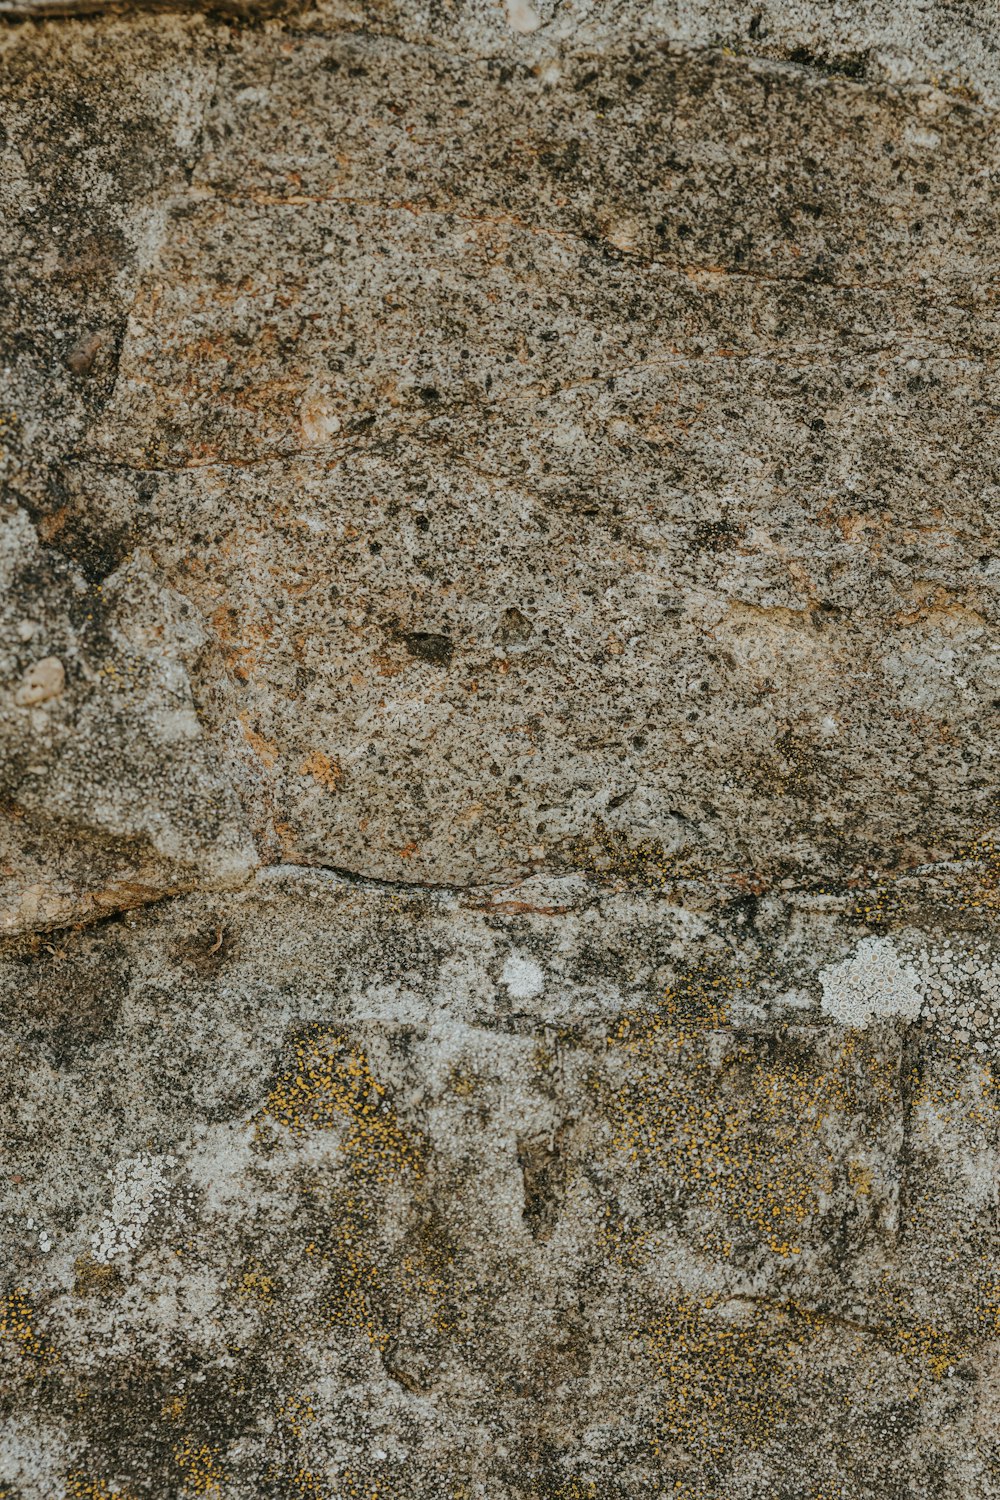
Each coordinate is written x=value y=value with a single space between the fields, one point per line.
x=41 y=682
x=80 y=356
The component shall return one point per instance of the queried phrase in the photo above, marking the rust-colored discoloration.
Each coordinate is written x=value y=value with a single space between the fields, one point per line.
x=323 y=769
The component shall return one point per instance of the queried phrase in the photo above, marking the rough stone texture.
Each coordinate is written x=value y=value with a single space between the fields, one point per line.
x=499 y=686
x=111 y=793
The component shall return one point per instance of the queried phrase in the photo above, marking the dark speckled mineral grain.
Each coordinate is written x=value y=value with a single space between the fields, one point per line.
x=499 y=705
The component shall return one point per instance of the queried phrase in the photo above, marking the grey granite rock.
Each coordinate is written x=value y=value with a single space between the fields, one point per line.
x=499 y=685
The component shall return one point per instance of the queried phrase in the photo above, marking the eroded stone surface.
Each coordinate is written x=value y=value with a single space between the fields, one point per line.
x=539 y=464
x=569 y=447
x=111 y=795
x=551 y=1191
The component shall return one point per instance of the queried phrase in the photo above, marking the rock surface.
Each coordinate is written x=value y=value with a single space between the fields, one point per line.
x=499 y=686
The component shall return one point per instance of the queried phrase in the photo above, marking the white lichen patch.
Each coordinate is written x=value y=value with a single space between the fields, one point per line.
x=522 y=17
x=872 y=983
x=523 y=977
x=138 y=1185
x=962 y=994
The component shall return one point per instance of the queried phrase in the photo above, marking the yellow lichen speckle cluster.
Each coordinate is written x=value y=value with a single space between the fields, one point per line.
x=17 y=1324
x=79 y=1487
x=257 y=1286
x=719 y=1379
x=332 y=1082
x=623 y=1243
x=200 y=1467
x=608 y=855
x=967 y=882
x=297 y=1413
x=734 y=1128
x=354 y=1298
x=570 y=1489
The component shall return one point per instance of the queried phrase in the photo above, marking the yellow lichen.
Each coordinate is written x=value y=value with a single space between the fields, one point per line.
x=92 y=1276
x=623 y=1243
x=569 y=1489
x=332 y=1083
x=462 y=1083
x=308 y=1484
x=356 y=1297
x=80 y=1487
x=200 y=1467
x=257 y=1286
x=734 y=1127
x=608 y=855
x=17 y=1323
x=718 y=1380
x=297 y=1414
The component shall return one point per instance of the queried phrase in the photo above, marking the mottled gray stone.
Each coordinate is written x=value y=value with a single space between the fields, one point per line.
x=431 y=1192
x=499 y=685
x=111 y=794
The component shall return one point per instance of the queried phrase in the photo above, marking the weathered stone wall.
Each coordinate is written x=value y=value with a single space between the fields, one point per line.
x=499 y=687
